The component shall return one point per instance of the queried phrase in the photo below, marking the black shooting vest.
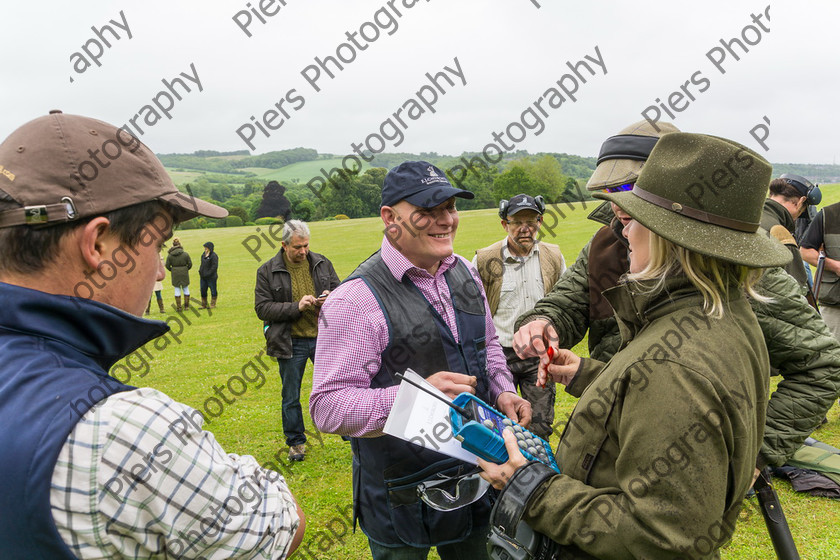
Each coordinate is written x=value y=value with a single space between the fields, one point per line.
x=387 y=470
x=829 y=286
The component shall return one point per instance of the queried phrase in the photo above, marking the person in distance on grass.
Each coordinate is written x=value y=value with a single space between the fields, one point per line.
x=208 y=273
x=801 y=348
x=412 y=304
x=93 y=468
x=158 y=290
x=516 y=272
x=290 y=289
x=660 y=449
x=179 y=263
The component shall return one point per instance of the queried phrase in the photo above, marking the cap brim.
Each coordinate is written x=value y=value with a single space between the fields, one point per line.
x=429 y=198
x=755 y=250
x=613 y=173
x=192 y=207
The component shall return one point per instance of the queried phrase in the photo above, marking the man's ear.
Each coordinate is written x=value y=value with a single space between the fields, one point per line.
x=96 y=242
x=388 y=215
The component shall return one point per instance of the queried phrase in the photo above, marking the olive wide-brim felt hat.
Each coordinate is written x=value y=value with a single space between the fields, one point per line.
x=706 y=194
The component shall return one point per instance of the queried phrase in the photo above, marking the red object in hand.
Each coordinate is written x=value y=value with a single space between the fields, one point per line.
x=550 y=352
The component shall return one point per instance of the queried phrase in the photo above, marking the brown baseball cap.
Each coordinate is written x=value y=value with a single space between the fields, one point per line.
x=64 y=167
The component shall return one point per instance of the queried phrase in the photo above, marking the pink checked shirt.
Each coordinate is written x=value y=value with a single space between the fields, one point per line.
x=353 y=334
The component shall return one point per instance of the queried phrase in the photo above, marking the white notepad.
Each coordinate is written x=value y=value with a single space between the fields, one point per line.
x=423 y=420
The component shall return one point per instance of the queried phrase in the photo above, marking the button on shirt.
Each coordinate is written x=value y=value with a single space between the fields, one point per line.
x=522 y=288
x=353 y=334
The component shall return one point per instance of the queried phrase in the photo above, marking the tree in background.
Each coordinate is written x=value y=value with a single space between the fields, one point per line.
x=479 y=181
x=303 y=210
x=221 y=192
x=353 y=194
x=543 y=176
x=514 y=181
x=274 y=204
x=239 y=211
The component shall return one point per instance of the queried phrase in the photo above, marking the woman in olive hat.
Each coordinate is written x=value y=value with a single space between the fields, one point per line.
x=660 y=450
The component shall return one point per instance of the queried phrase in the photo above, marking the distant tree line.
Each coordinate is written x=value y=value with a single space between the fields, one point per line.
x=356 y=194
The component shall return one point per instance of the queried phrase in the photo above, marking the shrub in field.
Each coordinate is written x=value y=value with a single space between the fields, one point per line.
x=189 y=224
x=268 y=221
x=342 y=217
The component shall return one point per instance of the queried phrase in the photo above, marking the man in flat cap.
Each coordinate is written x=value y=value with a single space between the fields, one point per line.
x=412 y=304
x=94 y=468
x=517 y=272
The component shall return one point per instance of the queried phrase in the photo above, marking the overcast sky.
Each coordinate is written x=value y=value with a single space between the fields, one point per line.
x=510 y=53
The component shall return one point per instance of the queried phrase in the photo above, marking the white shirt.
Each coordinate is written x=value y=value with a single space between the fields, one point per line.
x=522 y=287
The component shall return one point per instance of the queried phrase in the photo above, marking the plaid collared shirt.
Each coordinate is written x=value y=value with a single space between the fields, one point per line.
x=139 y=478
x=352 y=335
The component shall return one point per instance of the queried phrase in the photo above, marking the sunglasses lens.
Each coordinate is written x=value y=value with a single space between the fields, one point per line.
x=453 y=493
x=625 y=187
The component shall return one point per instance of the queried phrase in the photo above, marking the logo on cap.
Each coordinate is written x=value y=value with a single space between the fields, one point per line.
x=433 y=177
x=6 y=173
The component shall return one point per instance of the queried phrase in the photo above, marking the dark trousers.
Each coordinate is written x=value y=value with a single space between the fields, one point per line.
x=474 y=548
x=542 y=399
x=291 y=375
x=208 y=283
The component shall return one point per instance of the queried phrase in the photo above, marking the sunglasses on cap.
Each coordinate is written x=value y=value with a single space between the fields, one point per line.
x=624 y=187
x=450 y=493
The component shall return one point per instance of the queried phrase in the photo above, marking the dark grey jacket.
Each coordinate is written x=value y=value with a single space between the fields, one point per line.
x=273 y=299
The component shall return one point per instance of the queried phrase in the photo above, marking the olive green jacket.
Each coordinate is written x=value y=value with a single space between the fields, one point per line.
x=801 y=348
x=178 y=262
x=660 y=449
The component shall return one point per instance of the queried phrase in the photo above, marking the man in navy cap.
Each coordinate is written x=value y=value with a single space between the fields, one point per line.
x=412 y=304
x=517 y=272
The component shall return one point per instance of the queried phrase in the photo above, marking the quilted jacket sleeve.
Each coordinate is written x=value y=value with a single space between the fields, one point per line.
x=567 y=304
x=807 y=357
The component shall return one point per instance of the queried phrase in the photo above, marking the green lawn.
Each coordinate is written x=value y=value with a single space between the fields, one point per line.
x=215 y=347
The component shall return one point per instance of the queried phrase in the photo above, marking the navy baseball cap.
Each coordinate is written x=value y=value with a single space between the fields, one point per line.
x=523 y=202
x=421 y=184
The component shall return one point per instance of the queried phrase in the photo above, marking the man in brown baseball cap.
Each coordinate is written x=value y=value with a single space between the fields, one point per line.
x=84 y=210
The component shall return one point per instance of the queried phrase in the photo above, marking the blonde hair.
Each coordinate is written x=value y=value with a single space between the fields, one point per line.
x=713 y=277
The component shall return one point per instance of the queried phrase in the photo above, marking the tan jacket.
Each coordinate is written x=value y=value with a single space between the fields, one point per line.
x=491 y=266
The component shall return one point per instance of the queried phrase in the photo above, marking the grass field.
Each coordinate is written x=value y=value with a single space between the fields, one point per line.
x=300 y=172
x=215 y=347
